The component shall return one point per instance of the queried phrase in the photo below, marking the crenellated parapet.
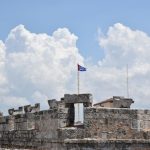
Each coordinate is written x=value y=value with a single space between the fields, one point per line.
x=53 y=104
x=32 y=109
x=112 y=120
x=26 y=109
x=15 y=111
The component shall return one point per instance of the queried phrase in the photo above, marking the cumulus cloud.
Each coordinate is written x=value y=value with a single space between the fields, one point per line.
x=36 y=67
x=123 y=46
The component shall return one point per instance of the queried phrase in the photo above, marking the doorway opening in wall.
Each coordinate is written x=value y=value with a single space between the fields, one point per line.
x=79 y=114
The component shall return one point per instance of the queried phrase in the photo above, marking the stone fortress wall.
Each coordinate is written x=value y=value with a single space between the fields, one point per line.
x=103 y=128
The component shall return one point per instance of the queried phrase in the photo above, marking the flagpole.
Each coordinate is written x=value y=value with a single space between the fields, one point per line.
x=78 y=81
x=79 y=68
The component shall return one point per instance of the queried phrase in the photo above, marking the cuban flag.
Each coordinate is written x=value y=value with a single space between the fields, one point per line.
x=80 y=68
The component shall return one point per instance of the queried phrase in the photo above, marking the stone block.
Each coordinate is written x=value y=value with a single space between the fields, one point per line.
x=33 y=109
x=11 y=123
x=53 y=104
x=62 y=123
x=15 y=111
x=81 y=98
x=104 y=135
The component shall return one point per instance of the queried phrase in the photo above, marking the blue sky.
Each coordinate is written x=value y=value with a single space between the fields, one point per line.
x=111 y=34
x=82 y=17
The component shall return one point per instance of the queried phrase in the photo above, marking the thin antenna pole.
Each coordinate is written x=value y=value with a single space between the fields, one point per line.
x=127 y=82
x=78 y=83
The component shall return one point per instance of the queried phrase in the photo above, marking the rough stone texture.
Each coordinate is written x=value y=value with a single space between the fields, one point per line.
x=81 y=98
x=116 y=102
x=54 y=129
x=95 y=144
x=53 y=104
x=117 y=123
x=122 y=102
x=33 y=109
x=15 y=111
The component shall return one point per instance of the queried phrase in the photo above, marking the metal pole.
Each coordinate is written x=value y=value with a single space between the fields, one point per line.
x=127 y=83
x=78 y=81
x=78 y=76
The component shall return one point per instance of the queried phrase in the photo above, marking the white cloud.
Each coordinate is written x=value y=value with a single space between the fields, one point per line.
x=37 y=67
x=123 y=46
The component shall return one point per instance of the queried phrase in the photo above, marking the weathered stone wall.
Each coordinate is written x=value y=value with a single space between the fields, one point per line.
x=54 y=129
x=108 y=123
x=32 y=130
x=96 y=144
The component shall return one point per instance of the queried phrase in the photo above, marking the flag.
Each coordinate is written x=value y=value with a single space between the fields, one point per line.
x=80 y=68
